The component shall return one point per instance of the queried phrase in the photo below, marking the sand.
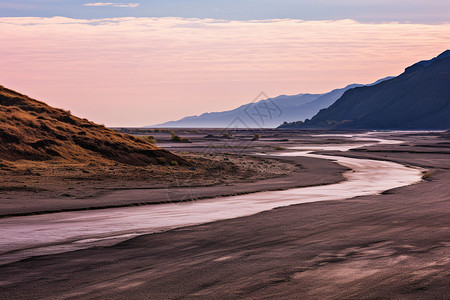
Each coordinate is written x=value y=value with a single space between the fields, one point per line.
x=289 y=172
x=394 y=245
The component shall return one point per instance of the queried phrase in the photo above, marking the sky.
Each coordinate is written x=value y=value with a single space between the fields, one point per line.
x=146 y=62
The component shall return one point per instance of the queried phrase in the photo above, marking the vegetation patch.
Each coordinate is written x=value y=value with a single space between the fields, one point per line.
x=177 y=139
x=426 y=175
x=32 y=130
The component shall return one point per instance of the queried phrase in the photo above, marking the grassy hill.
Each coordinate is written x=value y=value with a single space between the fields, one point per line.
x=33 y=130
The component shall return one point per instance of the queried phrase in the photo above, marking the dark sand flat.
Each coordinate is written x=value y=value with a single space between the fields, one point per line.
x=394 y=245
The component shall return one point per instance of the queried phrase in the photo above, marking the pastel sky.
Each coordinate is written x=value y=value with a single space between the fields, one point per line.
x=144 y=62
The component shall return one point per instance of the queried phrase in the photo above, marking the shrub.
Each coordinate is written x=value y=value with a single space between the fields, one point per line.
x=174 y=163
x=256 y=137
x=161 y=160
x=175 y=138
x=149 y=138
x=426 y=175
x=279 y=148
x=227 y=135
x=178 y=139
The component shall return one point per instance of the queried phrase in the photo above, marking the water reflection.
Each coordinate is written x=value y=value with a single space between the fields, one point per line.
x=22 y=237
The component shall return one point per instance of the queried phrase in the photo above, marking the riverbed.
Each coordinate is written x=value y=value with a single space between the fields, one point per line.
x=22 y=237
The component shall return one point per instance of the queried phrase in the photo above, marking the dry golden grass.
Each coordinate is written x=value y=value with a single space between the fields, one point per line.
x=32 y=130
x=53 y=178
x=47 y=152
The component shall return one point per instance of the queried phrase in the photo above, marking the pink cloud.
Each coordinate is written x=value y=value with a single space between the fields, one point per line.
x=140 y=71
x=101 y=4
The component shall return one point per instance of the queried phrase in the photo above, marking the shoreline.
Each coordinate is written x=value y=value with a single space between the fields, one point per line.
x=307 y=172
x=37 y=213
x=365 y=177
x=313 y=172
x=392 y=245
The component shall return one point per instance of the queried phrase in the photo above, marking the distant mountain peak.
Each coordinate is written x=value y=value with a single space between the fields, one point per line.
x=425 y=63
x=444 y=54
x=418 y=99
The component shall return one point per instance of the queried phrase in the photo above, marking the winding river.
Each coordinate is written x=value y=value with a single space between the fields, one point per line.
x=22 y=237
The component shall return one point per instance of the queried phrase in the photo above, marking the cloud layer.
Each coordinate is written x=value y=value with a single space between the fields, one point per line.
x=140 y=71
x=373 y=11
x=100 y=4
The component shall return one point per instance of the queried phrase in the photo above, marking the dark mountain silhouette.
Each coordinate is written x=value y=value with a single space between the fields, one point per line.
x=267 y=113
x=32 y=130
x=417 y=99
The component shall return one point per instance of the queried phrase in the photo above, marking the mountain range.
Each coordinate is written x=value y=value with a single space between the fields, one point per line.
x=417 y=99
x=265 y=113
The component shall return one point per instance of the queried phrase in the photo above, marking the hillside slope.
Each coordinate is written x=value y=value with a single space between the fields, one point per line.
x=32 y=130
x=417 y=99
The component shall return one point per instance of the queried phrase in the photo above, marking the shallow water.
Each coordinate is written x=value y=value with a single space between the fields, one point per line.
x=366 y=137
x=22 y=237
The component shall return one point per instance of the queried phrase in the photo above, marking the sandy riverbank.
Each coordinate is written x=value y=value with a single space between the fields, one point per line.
x=394 y=245
x=222 y=168
x=301 y=172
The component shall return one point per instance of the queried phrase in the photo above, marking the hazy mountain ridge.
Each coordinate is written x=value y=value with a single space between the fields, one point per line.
x=226 y=118
x=419 y=98
x=282 y=108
